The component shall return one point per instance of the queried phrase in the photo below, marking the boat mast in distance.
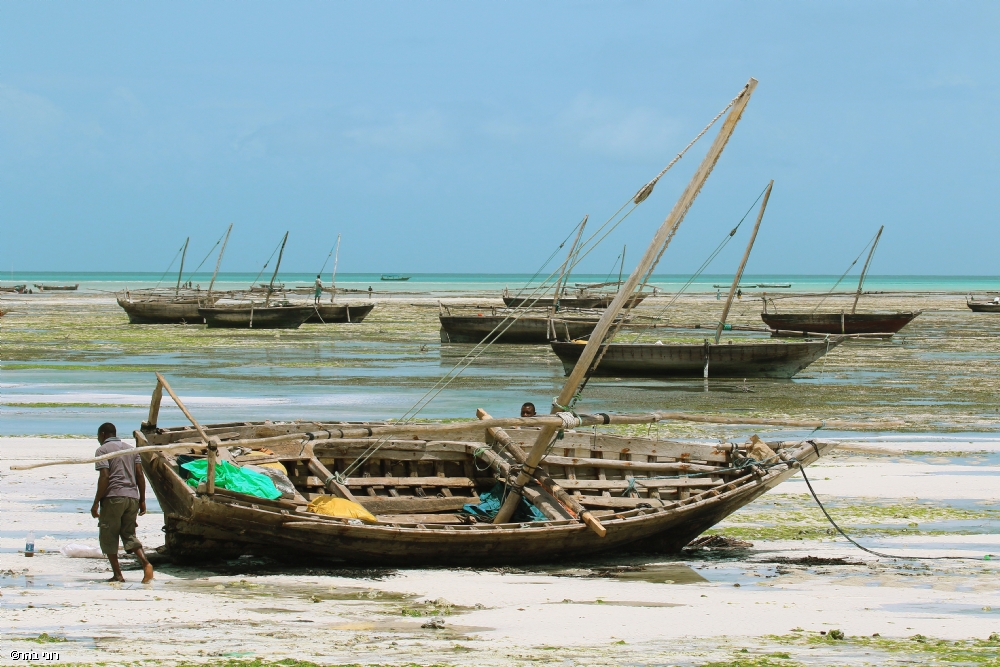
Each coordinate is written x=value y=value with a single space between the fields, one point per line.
x=270 y=286
x=218 y=262
x=653 y=252
x=743 y=263
x=865 y=269
x=181 y=272
x=567 y=267
x=333 y=276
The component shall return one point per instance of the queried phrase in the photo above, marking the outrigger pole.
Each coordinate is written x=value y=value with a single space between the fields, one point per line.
x=660 y=239
x=743 y=263
x=864 y=270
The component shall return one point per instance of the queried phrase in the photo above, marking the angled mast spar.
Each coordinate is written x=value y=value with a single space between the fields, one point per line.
x=865 y=269
x=743 y=263
x=218 y=262
x=333 y=276
x=181 y=272
x=652 y=254
x=270 y=286
x=567 y=267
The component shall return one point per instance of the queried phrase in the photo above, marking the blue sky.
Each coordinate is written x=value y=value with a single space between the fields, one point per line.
x=457 y=136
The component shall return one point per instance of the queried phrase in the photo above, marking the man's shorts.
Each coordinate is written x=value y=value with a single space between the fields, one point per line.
x=117 y=519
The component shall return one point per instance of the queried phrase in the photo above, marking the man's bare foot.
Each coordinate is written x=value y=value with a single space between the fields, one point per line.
x=117 y=578
x=147 y=571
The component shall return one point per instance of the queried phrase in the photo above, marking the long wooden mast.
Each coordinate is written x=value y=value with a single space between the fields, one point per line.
x=567 y=267
x=270 y=286
x=660 y=239
x=743 y=263
x=181 y=272
x=333 y=276
x=865 y=269
x=218 y=262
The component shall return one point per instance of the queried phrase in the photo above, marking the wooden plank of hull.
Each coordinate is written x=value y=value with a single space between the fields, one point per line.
x=474 y=328
x=200 y=527
x=836 y=323
x=739 y=360
x=599 y=301
x=337 y=313
x=271 y=317
x=161 y=312
x=983 y=307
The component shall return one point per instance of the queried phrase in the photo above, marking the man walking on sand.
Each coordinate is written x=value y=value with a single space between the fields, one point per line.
x=121 y=496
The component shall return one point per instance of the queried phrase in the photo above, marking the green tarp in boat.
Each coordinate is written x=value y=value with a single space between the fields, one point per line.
x=232 y=478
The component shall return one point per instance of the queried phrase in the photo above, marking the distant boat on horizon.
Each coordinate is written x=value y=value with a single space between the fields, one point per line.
x=394 y=276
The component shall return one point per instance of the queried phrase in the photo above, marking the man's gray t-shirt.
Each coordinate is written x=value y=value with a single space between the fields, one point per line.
x=121 y=469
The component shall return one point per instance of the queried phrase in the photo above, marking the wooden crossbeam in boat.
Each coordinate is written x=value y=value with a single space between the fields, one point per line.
x=452 y=482
x=413 y=505
x=640 y=483
x=611 y=464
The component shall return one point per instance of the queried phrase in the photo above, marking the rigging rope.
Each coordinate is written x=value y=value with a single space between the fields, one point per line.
x=569 y=264
x=546 y=262
x=844 y=274
x=263 y=268
x=179 y=250
x=701 y=269
x=207 y=255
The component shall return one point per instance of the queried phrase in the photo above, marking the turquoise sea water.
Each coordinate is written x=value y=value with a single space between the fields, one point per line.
x=464 y=283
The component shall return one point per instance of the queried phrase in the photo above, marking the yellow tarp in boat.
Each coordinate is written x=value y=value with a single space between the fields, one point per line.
x=339 y=507
x=274 y=465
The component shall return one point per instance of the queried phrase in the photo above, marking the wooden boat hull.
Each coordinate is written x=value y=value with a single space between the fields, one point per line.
x=527 y=330
x=246 y=317
x=337 y=313
x=983 y=306
x=739 y=360
x=584 y=302
x=839 y=323
x=161 y=311
x=57 y=288
x=202 y=526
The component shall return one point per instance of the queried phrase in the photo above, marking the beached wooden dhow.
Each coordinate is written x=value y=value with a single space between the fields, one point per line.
x=844 y=322
x=424 y=484
x=735 y=359
x=245 y=313
x=172 y=306
x=58 y=288
x=983 y=306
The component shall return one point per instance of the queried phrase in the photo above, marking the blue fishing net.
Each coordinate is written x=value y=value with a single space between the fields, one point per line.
x=490 y=502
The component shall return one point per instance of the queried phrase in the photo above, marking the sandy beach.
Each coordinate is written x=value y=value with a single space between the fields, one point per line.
x=776 y=598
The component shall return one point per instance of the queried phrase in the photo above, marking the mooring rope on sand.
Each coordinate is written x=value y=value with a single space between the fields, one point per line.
x=872 y=551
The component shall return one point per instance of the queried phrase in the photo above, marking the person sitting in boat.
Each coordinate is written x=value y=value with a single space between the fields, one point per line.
x=528 y=410
x=319 y=290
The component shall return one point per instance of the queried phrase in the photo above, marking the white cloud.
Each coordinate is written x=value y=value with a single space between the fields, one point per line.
x=616 y=130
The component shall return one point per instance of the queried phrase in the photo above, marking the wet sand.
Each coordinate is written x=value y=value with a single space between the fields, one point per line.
x=705 y=606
